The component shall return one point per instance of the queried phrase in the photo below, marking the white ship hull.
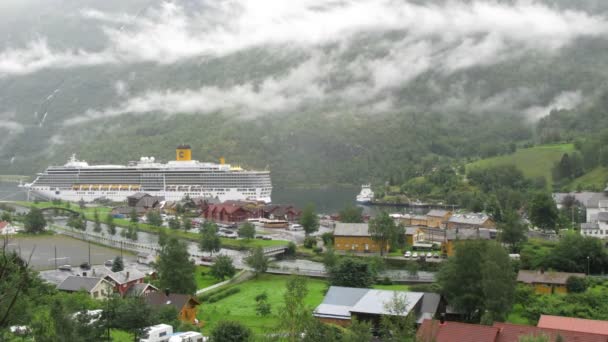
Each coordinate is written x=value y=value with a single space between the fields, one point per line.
x=120 y=196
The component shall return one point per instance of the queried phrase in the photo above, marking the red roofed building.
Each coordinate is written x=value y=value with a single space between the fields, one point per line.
x=435 y=331
x=231 y=212
x=574 y=324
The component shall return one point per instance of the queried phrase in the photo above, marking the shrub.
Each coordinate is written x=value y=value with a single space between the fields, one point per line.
x=385 y=281
x=291 y=250
x=576 y=285
x=310 y=242
x=317 y=250
x=214 y=296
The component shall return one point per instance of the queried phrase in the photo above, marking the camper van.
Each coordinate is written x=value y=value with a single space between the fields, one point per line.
x=157 y=333
x=188 y=336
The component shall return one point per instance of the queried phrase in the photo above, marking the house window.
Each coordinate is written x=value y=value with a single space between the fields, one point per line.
x=95 y=294
x=164 y=333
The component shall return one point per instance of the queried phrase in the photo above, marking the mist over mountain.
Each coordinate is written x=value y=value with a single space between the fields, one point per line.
x=320 y=91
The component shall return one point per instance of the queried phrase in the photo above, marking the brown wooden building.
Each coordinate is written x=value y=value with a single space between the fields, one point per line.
x=355 y=237
x=185 y=305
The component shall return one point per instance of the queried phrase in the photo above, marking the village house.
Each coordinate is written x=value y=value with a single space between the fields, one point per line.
x=444 y=331
x=231 y=212
x=185 y=305
x=287 y=213
x=97 y=288
x=6 y=228
x=144 y=200
x=438 y=218
x=124 y=279
x=547 y=282
x=446 y=239
x=355 y=237
x=341 y=304
x=470 y=220
x=140 y=289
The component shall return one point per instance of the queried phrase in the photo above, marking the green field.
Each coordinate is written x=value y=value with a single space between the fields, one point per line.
x=120 y=336
x=394 y=287
x=533 y=162
x=103 y=211
x=203 y=281
x=596 y=180
x=241 y=306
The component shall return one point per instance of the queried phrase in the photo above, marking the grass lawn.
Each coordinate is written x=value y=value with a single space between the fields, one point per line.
x=206 y=280
x=241 y=306
x=120 y=336
x=394 y=287
x=533 y=162
x=103 y=211
x=595 y=179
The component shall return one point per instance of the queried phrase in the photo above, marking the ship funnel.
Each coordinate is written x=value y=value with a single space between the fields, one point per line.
x=183 y=153
x=222 y=161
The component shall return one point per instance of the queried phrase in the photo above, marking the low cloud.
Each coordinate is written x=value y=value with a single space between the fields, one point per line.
x=565 y=100
x=12 y=126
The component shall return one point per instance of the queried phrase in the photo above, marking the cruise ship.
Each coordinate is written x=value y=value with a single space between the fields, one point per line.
x=77 y=180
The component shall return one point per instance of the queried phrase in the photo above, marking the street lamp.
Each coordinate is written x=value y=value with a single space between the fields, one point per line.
x=588 y=262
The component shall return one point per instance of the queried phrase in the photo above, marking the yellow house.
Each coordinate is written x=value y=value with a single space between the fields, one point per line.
x=547 y=282
x=454 y=236
x=355 y=237
x=438 y=218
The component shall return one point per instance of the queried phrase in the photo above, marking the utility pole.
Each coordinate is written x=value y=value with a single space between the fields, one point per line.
x=588 y=264
x=55 y=257
x=89 y=251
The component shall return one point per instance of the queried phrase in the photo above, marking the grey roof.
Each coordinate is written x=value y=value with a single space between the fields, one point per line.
x=471 y=233
x=602 y=216
x=586 y=198
x=137 y=290
x=139 y=195
x=122 y=278
x=437 y=213
x=339 y=302
x=430 y=302
x=590 y=225
x=351 y=229
x=549 y=277
x=473 y=219
x=74 y=283
x=375 y=301
x=411 y=230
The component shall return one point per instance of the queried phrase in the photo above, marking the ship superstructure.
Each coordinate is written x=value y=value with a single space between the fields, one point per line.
x=366 y=195
x=174 y=180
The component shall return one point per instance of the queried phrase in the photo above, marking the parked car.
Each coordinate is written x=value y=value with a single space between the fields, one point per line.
x=436 y=255
x=429 y=255
x=109 y=263
x=408 y=254
x=65 y=267
x=85 y=266
x=260 y=237
x=415 y=255
x=295 y=226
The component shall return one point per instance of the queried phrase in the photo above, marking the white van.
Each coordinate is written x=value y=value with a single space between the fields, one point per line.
x=188 y=336
x=295 y=226
x=157 y=333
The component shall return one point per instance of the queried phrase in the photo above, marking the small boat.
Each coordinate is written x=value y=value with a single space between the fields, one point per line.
x=366 y=195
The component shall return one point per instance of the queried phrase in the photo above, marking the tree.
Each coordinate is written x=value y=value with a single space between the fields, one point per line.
x=359 y=331
x=262 y=307
x=154 y=218
x=535 y=338
x=6 y=216
x=247 y=231
x=132 y=231
x=294 y=315
x=174 y=223
x=209 y=241
x=222 y=267
x=97 y=221
x=162 y=237
x=512 y=231
x=176 y=271
x=543 y=212
x=309 y=220
x=329 y=258
x=34 y=221
x=186 y=223
x=478 y=279
x=110 y=224
x=498 y=282
x=230 y=331
x=576 y=285
x=133 y=216
x=118 y=264
x=383 y=230
x=397 y=326
x=258 y=261
x=351 y=214
x=77 y=222
x=131 y=314
x=350 y=272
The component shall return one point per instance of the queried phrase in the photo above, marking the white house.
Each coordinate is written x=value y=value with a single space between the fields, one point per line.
x=6 y=228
